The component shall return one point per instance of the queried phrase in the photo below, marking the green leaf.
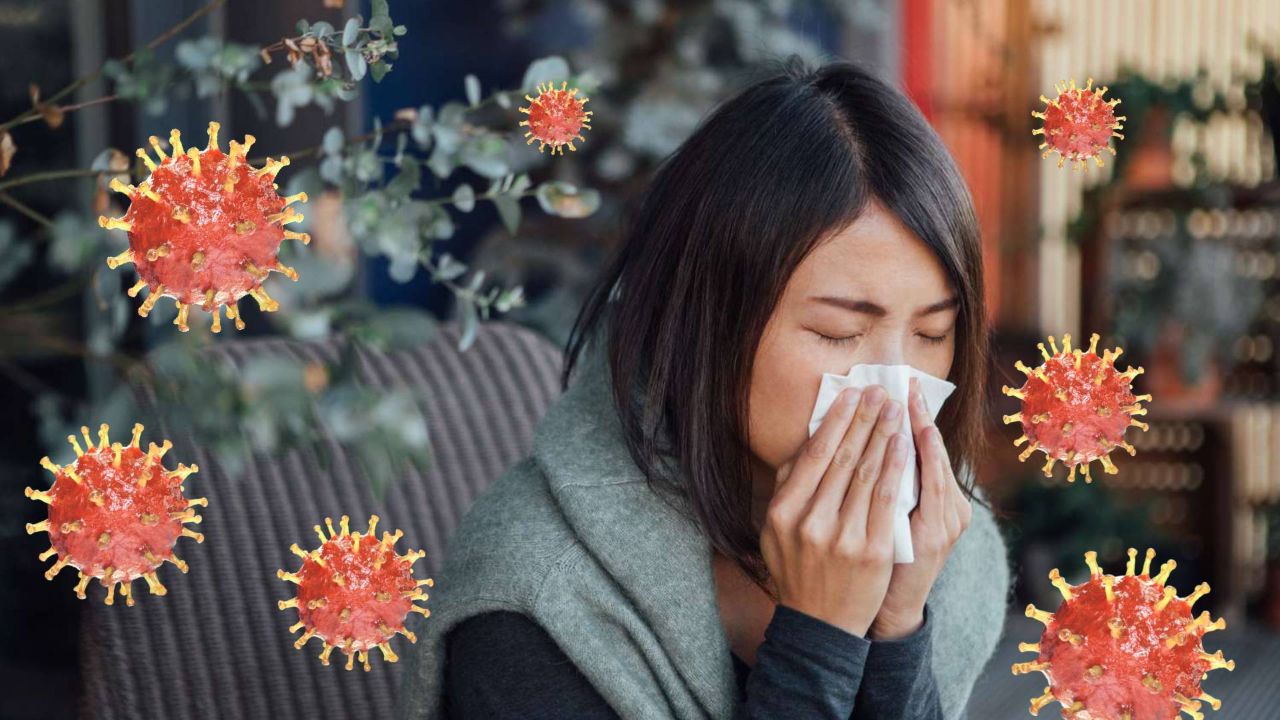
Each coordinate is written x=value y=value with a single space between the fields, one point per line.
x=545 y=70
x=408 y=180
x=509 y=211
x=464 y=198
x=470 y=322
x=510 y=298
x=333 y=141
x=351 y=32
x=379 y=70
x=391 y=329
x=448 y=268
x=356 y=64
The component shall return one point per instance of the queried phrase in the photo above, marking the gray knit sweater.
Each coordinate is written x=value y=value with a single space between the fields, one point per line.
x=573 y=537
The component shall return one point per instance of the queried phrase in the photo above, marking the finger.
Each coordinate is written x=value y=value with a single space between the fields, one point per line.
x=933 y=496
x=885 y=497
x=835 y=481
x=919 y=409
x=854 y=508
x=949 y=489
x=816 y=452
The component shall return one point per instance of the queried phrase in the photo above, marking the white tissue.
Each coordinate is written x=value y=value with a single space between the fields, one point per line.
x=896 y=380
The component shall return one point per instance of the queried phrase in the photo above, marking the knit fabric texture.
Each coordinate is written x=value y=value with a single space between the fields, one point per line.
x=574 y=537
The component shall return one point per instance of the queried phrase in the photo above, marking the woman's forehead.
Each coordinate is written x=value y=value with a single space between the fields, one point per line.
x=875 y=258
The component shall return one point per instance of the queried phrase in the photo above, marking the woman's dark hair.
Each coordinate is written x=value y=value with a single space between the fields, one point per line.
x=727 y=218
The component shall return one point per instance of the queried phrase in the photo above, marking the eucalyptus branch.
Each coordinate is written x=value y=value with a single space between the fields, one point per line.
x=156 y=42
x=49 y=175
x=442 y=201
x=393 y=127
x=13 y=202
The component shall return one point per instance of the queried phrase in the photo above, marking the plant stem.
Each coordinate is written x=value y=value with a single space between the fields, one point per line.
x=12 y=202
x=159 y=40
x=56 y=175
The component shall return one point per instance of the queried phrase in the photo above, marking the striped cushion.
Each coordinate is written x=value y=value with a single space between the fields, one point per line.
x=216 y=645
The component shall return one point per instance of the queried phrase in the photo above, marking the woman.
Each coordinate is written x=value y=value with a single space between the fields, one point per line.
x=676 y=545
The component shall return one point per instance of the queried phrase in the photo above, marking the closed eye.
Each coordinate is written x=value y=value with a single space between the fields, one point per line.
x=839 y=340
x=933 y=339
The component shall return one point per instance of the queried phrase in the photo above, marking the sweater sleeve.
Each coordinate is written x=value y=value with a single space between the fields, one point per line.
x=504 y=665
x=805 y=668
x=898 y=683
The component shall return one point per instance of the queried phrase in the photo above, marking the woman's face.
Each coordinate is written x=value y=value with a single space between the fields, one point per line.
x=872 y=293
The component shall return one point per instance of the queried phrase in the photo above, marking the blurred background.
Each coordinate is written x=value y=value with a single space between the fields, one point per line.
x=432 y=218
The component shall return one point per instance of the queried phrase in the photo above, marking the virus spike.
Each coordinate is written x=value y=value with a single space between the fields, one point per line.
x=304 y=237
x=155 y=144
x=1038 y=614
x=264 y=300
x=1091 y=559
x=49 y=465
x=214 y=126
x=181 y=319
x=1012 y=392
x=151 y=165
x=1063 y=586
x=149 y=304
x=1165 y=570
x=136 y=288
x=1029 y=667
x=1146 y=563
x=272 y=167
x=299 y=197
x=1217 y=662
x=1148 y=652
x=1201 y=590
x=194 y=155
x=120 y=187
x=114 y=223
x=175 y=141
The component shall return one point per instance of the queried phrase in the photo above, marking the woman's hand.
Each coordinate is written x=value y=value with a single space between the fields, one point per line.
x=827 y=538
x=936 y=524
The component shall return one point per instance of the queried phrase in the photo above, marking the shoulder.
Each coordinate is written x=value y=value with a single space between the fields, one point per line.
x=508 y=542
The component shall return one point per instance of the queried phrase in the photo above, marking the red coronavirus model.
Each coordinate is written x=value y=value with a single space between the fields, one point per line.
x=205 y=227
x=1124 y=648
x=1076 y=407
x=115 y=513
x=1078 y=124
x=354 y=592
x=555 y=117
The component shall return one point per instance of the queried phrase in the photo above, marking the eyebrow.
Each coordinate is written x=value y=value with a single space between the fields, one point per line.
x=870 y=308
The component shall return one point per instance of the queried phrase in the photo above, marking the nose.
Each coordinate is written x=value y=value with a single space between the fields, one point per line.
x=887 y=348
